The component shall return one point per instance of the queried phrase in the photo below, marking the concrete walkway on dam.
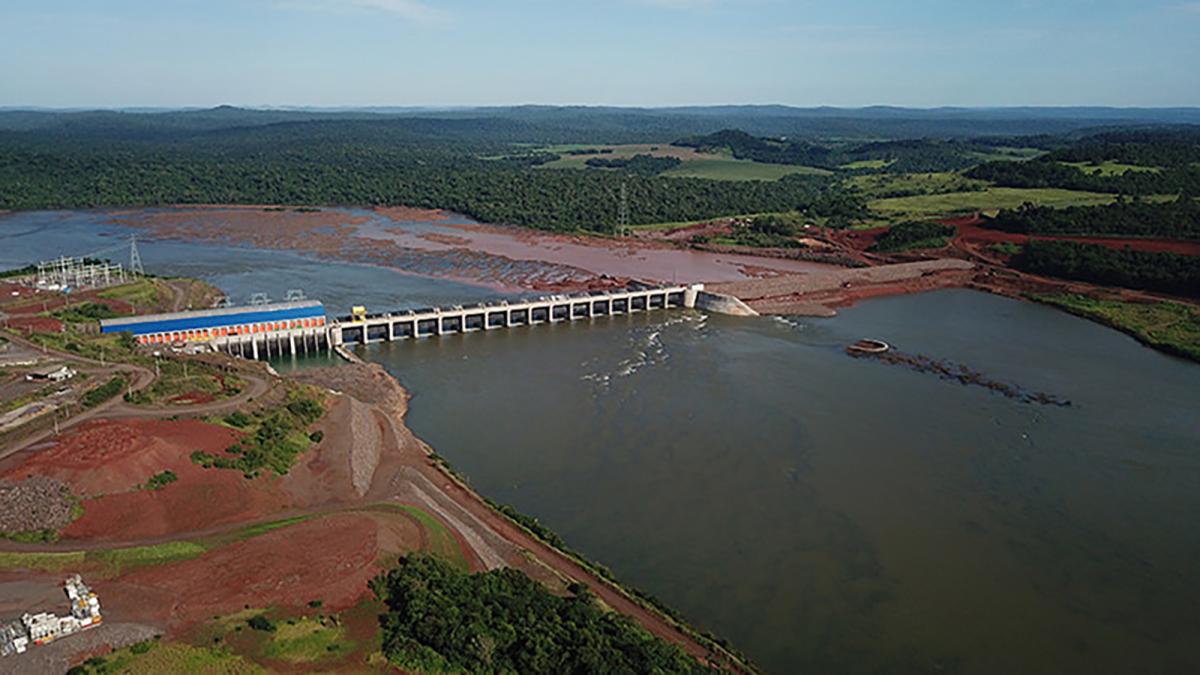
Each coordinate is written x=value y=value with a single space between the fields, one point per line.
x=816 y=293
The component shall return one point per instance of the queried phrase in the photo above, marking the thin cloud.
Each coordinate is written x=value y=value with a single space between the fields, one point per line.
x=409 y=10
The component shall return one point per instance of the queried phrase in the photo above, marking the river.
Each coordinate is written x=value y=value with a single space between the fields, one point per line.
x=826 y=514
x=837 y=515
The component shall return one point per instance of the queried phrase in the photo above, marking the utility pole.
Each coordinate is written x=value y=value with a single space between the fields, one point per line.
x=135 y=258
x=623 y=210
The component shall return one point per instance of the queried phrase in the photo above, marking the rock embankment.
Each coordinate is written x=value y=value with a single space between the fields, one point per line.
x=37 y=503
x=816 y=293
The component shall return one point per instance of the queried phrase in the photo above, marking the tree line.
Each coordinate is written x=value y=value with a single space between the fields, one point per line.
x=645 y=165
x=1176 y=219
x=1045 y=172
x=1163 y=272
x=918 y=155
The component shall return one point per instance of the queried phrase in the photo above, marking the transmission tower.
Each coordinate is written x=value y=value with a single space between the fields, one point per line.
x=623 y=211
x=295 y=295
x=135 y=258
x=259 y=299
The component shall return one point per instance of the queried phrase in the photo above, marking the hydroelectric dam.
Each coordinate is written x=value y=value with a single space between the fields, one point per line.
x=292 y=328
x=367 y=328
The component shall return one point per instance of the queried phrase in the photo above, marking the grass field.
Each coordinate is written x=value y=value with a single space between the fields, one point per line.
x=441 y=541
x=121 y=559
x=883 y=184
x=177 y=378
x=990 y=199
x=174 y=657
x=142 y=293
x=47 y=562
x=306 y=640
x=1172 y=327
x=566 y=161
x=1111 y=168
x=113 y=561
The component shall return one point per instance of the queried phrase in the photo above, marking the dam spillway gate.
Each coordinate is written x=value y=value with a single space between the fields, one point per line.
x=430 y=322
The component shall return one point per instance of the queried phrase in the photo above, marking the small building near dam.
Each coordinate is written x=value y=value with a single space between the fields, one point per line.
x=224 y=325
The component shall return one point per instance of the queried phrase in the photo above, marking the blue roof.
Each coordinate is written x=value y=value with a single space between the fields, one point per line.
x=180 y=321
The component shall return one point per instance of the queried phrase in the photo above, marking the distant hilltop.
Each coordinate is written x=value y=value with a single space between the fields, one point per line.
x=632 y=122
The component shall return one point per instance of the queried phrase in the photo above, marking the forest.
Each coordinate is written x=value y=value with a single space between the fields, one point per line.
x=1163 y=272
x=1170 y=158
x=486 y=163
x=275 y=167
x=892 y=156
x=1044 y=173
x=1176 y=219
x=440 y=619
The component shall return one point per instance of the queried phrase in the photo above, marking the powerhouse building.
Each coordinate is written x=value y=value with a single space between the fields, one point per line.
x=212 y=324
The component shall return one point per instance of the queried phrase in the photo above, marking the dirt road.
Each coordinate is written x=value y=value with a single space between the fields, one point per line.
x=117 y=408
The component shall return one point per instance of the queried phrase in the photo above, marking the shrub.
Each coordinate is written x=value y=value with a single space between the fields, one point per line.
x=142 y=647
x=260 y=622
x=104 y=392
x=160 y=480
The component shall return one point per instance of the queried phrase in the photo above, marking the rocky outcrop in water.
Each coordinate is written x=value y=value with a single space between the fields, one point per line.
x=947 y=370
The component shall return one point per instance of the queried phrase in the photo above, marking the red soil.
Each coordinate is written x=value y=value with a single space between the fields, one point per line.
x=103 y=456
x=970 y=228
x=331 y=559
x=859 y=240
x=35 y=324
x=30 y=301
x=196 y=502
x=109 y=459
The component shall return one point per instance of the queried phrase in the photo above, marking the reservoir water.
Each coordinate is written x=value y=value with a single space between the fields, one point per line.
x=826 y=514
x=838 y=515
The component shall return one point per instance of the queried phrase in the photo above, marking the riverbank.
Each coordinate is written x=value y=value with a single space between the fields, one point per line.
x=371 y=383
x=178 y=555
x=443 y=245
x=1169 y=327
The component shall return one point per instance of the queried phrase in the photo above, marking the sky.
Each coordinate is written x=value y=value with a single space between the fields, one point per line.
x=925 y=53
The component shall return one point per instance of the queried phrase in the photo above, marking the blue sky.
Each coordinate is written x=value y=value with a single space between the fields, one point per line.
x=616 y=52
